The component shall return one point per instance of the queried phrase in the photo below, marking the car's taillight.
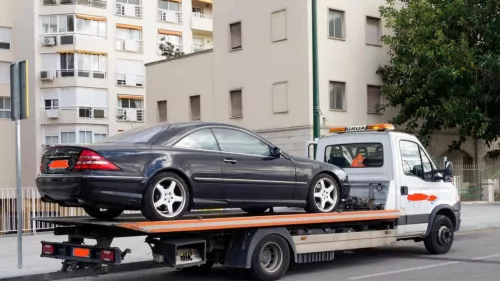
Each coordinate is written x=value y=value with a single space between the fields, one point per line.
x=90 y=160
x=107 y=256
x=47 y=249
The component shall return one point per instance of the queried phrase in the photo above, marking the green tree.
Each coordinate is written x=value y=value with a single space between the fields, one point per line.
x=444 y=67
x=169 y=50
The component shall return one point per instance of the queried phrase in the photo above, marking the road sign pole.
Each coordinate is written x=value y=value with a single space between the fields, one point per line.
x=19 y=196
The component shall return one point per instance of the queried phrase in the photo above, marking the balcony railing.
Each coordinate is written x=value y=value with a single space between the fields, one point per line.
x=131 y=80
x=129 y=45
x=130 y=114
x=62 y=73
x=91 y=3
x=80 y=112
x=202 y=16
x=198 y=48
x=128 y=10
x=169 y=16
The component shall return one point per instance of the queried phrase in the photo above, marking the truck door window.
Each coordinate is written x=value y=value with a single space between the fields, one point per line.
x=415 y=161
x=355 y=155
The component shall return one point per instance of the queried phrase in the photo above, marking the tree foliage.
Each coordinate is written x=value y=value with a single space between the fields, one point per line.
x=444 y=67
x=169 y=50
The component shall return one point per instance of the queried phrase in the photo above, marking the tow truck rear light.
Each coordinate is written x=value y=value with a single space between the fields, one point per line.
x=373 y=127
x=90 y=160
x=48 y=249
x=107 y=256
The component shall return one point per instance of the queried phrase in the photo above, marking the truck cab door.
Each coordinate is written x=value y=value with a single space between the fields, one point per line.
x=418 y=190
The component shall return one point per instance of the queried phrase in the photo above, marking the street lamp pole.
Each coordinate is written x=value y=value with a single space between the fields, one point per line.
x=316 y=123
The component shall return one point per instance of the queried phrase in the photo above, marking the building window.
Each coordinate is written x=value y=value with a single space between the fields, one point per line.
x=5 y=73
x=130 y=108
x=173 y=38
x=336 y=24
x=51 y=104
x=374 y=99
x=5 y=37
x=4 y=107
x=91 y=27
x=129 y=39
x=235 y=29
x=280 y=97
x=195 y=107
x=68 y=137
x=129 y=8
x=85 y=112
x=373 y=33
x=51 y=140
x=337 y=96
x=236 y=104
x=81 y=65
x=99 y=137
x=278 y=26
x=162 y=111
x=129 y=73
x=85 y=137
x=169 y=5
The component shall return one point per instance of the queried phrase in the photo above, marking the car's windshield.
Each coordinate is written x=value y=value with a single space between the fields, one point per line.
x=143 y=134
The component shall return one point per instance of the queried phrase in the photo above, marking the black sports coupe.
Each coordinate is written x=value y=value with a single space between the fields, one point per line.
x=167 y=169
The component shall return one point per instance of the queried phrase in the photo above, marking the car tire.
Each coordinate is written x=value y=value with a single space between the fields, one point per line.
x=441 y=236
x=329 y=193
x=255 y=211
x=167 y=189
x=275 y=248
x=102 y=214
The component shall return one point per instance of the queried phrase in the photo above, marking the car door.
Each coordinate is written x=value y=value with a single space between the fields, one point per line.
x=419 y=192
x=249 y=172
x=202 y=161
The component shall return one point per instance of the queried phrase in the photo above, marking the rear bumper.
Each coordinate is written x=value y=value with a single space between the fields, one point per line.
x=98 y=191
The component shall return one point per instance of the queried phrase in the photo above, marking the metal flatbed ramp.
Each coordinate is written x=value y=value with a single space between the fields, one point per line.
x=223 y=220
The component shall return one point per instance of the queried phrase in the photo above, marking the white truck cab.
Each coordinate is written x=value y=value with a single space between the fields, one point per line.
x=392 y=171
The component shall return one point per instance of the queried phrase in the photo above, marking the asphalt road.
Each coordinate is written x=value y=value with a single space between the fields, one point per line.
x=474 y=256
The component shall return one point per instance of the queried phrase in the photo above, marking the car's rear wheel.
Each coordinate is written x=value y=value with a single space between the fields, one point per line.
x=323 y=195
x=167 y=197
x=102 y=214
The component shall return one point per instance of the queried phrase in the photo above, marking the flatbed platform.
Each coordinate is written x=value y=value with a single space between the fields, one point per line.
x=203 y=221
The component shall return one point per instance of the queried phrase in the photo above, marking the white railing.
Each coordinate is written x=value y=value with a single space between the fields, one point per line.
x=129 y=45
x=91 y=3
x=169 y=16
x=198 y=48
x=130 y=114
x=202 y=16
x=132 y=80
x=128 y=10
x=94 y=113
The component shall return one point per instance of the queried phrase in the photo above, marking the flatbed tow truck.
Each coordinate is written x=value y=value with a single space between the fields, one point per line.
x=389 y=202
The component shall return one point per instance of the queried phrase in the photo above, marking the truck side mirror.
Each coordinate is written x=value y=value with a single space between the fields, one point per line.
x=448 y=171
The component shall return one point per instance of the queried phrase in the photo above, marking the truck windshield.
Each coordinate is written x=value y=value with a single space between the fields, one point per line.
x=355 y=155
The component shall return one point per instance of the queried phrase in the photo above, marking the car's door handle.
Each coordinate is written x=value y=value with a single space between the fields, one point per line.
x=232 y=161
x=404 y=190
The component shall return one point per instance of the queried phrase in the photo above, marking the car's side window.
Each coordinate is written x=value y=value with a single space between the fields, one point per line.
x=239 y=142
x=427 y=166
x=202 y=139
x=410 y=156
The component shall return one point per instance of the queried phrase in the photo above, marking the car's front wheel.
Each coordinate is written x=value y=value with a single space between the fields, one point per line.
x=323 y=195
x=102 y=214
x=167 y=197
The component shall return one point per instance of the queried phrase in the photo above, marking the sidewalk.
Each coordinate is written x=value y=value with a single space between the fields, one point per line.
x=474 y=218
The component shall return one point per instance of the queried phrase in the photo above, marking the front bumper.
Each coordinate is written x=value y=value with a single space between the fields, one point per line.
x=91 y=190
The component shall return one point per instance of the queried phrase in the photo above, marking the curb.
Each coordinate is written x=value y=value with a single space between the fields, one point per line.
x=464 y=228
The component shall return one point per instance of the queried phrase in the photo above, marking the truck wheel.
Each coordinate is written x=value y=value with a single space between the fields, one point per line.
x=323 y=195
x=270 y=259
x=102 y=214
x=440 y=238
x=165 y=198
x=255 y=211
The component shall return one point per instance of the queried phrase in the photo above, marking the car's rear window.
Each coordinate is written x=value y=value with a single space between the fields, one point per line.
x=143 y=134
x=355 y=155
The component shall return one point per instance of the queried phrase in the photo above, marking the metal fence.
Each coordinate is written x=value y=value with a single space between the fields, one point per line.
x=472 y=181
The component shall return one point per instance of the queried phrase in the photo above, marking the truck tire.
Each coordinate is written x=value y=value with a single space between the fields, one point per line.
x=270 y=258
x=323 y=188
x=254 y=211
x=102 y=214
x=441 y=236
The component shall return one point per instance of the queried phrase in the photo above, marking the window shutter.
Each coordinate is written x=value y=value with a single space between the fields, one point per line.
x=373 y=31
x=236 y=35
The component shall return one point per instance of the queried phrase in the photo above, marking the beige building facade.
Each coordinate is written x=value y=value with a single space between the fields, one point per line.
x=86 y=67
x=259 y=73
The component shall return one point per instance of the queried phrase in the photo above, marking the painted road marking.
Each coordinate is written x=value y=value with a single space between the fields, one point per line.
x=418 y=268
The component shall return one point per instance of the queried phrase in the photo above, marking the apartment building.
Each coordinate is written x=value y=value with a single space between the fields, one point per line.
x=259 y=73
x=86 y=58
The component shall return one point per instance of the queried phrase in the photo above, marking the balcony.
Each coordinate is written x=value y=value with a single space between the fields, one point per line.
x=91 y=3
x=73 y=40
x=169 y=16
x=130 y=114
x=129 y=45
x=201 y=22
x=130 y=80
x=75 y=114
x=128 y=10
x=198 y=48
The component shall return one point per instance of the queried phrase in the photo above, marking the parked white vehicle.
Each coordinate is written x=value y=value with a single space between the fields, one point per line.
x=392 y=171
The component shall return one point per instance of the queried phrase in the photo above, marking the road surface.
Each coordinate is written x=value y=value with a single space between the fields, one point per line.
x=474 y=256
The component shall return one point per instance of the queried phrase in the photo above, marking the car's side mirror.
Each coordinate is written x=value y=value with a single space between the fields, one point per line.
x=448 y=171
x=275 y=152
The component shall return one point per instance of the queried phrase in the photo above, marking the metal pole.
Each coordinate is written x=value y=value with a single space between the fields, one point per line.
x=316 y=129
x=19 y=197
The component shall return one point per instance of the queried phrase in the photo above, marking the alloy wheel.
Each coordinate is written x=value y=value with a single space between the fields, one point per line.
x=169 y=197
x=325 y=195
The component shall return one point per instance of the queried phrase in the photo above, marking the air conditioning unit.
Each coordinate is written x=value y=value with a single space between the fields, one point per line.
x=47 y=75
x=52 y=113
x=49 y=41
